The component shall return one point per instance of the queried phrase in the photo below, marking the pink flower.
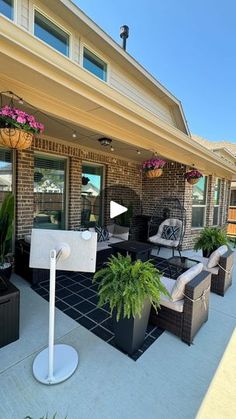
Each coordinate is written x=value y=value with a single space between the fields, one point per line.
x=21 y=120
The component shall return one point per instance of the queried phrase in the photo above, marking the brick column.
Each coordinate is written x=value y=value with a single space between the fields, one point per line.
x=74 y=209
x=24 y=192
x=210 y=200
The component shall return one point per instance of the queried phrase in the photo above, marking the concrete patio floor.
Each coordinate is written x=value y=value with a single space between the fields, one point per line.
x=170 y=380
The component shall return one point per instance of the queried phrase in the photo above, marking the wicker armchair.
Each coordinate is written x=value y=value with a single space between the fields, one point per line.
x=221 y=274
x=186 y=323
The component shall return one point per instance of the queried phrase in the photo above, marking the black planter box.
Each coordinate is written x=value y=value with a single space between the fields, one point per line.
x=130 y=333
x=9 y=315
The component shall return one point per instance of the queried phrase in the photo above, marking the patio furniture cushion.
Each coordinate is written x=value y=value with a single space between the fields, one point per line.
x=118 y=231
x=177 y=292
x=215 y=256
x=102 y=233
x=166 y=301
x=170 y=232
x=204 y=261
x=105 y=244
x=158 y=238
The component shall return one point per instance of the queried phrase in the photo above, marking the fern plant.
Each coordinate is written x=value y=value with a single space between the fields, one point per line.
x=210 y=239
x=125 y=286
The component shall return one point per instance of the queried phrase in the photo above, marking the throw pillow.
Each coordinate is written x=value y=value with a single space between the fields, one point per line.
x=215 y=256
x=177 y=292
x=102 y=233
x=170 y=232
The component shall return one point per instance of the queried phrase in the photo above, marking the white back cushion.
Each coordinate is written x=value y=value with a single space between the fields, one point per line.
x=177 y=292
x=215 y=256
x=169 y=222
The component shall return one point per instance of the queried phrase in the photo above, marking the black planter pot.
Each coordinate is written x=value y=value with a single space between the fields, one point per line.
x=130 y=333
x=5 y=274
x=207 y=253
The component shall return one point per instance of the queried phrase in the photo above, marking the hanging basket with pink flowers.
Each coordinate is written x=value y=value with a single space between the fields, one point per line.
x=193 y=176
x=153 y=167
x=17 y=128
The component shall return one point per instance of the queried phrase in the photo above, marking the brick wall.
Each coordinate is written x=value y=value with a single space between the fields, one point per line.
x=124 y=181
x=117 y=172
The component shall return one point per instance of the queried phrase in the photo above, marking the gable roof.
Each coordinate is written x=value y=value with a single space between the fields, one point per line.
x=107 y=44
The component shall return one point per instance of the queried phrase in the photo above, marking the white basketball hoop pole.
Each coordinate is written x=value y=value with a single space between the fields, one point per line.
x=70 y=251
x=66 y=358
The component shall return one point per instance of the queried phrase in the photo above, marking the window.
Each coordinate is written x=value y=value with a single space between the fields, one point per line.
x=5 y=173
x=91 y=199
x=51 y=34
x=233 y=198
x=49 y=192
x=216 y=211
x=7 y=8
x=199 y=203
x=94 y=64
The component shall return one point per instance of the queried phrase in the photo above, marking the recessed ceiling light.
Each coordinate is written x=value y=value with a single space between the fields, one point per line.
x=74 y=135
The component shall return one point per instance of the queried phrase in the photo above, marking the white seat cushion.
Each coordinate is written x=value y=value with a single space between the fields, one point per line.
x=158 y=240
x=177 y=292
x=204 y=261
x=215 y=256
x=166 y=301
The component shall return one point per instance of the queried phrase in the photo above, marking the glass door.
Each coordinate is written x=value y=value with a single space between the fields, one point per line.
x=91 y=197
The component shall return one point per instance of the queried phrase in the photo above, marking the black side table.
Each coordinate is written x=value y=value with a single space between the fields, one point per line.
x=9 y=315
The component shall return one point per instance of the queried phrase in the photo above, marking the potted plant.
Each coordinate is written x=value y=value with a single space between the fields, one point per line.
x=6 y=230
x=210 y=239
x=153 y=167
x=17 y=128
x=130 y=288
x=193 y=176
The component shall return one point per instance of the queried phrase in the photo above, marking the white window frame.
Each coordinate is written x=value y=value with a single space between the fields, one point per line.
x=37 y=9
x=217 y=205
x=14 y=19
x=97 y=54
x=202 y=206
x=66 y=199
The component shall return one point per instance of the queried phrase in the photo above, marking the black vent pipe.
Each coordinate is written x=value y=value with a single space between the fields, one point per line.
x=124 y=34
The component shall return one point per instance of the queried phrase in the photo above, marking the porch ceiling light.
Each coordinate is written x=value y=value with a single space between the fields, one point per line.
x=105 y=141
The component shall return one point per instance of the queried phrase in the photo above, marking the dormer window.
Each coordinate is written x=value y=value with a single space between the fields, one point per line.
x=94 y=64
x=50 y=33
x=7 y=8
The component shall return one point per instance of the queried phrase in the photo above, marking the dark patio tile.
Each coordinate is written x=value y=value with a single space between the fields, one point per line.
x=102 y=333
x=76 y=287
x=108 y=324
x=84 y=307
x=61 y=305
x=63 y=293
x=136 y=355
x=157 y=332
x=148 y=342
x=46 y=297
x=41 y=291
x=94 y=299
x=87 y=293
x=98 y=315
x=84 y=321
x=73 y=299
x=150 y=328
x=86 y=282
x=74 y=314
x=67 y=282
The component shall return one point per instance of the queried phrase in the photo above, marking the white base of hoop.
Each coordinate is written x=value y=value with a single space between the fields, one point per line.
x=65 y=363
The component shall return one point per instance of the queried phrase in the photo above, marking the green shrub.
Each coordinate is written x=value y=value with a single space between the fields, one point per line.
x=210 y=239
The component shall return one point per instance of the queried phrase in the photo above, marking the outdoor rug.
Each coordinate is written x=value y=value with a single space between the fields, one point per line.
x=77 y=297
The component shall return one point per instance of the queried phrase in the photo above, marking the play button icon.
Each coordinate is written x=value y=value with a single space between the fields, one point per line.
x=116 y=209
